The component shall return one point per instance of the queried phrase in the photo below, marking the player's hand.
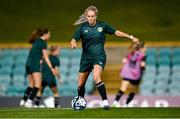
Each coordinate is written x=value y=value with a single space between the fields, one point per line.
x=73 y=44
x=54 y=71
x=135 y=40
x=60 y=81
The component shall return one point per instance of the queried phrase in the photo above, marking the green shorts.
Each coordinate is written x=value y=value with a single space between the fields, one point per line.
x=87 y=63
x=33 y=68
x=49 y=82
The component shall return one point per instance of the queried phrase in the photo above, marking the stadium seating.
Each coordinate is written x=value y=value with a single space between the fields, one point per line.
x=151 y=69
x=163 y=67
x=13 y=80
x=151 y=52
x=161 y=76
x=164 y=60
x=176 y=52
x=5 y=79
x=164 y=52
x=151 y=60
x=176 y=69
x=176 y=60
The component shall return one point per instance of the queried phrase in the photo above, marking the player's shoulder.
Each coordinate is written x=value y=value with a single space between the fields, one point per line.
x=85 y=24
x=38 y=41
x=41 y=41
x=80 y=26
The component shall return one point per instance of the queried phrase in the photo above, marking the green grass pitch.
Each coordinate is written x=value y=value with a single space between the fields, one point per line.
x=91 y=113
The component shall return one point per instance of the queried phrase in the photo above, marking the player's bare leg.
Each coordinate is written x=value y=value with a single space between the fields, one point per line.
x=123 y=88
x=56 y=96
x=38 y=97
x=81 y=83
x=27 y=91
x=131 y=94
x=37 y=84
x=100 y=85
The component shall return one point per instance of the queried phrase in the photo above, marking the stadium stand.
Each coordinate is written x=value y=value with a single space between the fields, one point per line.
x=162 y=72
x=13 y=80
x=161 y=76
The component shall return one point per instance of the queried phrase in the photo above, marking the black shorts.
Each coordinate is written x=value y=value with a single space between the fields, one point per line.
x=32 y=69
x=87 y=64
x=133 y=82
x=50 y=84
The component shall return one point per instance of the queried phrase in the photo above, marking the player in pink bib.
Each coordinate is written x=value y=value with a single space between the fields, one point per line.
x=131 y=72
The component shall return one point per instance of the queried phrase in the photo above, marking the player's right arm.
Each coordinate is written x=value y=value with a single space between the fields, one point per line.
x=124 y=60
x=76 y=37
x=119 y=33
x=46 y=58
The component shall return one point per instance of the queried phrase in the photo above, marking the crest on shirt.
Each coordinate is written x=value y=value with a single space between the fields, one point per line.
x=85 y=31
x=100 y=29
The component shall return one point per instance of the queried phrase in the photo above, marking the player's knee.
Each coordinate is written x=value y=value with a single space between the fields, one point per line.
x=38 y=85
x=97 y=79
x=31 y=85
x=123 y=88
x=81 y=87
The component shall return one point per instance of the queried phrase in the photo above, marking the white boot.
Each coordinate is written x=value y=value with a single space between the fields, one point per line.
x=29 y=104
x=115 y=104
x=106 y=104
x=22 y=103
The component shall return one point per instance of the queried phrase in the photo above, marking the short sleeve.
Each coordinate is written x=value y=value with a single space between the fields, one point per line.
x=109 y=29
x=77 y=34
x=44 y=45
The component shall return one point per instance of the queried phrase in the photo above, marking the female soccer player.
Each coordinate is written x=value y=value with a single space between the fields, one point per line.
x=37 y=53
x=48 y=79
x=93 y=33
x=131 y=72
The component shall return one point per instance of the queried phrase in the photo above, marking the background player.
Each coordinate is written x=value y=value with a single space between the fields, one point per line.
x=132 y=70
x=48 y=79
x=37 y=53
x=93 y=35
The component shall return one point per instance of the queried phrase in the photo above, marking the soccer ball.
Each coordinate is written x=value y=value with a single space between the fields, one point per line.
x=78 y=103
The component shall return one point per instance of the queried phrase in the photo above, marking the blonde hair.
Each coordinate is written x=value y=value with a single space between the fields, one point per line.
x=82 y=18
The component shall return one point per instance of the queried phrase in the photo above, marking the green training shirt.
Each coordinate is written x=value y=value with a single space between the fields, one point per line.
x=93 y=37
x=35 y=54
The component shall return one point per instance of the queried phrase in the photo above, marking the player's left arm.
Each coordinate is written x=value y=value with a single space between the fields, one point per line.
x=143 y=62
x=121 y=34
